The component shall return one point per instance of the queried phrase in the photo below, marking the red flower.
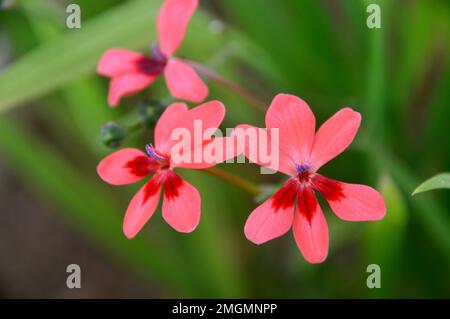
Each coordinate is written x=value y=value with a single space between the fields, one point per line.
x=131 y=72
x=181 y=206
x=302 y=153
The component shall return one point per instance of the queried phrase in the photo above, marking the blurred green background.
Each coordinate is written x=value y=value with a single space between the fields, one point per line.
x=56 y=211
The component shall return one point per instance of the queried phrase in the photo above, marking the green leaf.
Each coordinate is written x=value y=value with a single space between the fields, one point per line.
x=430 y=212
x=84 y=98
x=375 y=99
x=384 y=238
x=437 y=182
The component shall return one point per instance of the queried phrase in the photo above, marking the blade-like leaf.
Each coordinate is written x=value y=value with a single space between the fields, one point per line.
x=384 y=239
x=436 y=182
x=430 y=212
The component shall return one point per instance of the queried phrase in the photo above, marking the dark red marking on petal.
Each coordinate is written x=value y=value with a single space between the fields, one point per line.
x=140 y=166
x=151 y=66
x=331 y=189
x=307 y=203
x=285 y=197
x=304 y=177
x=150 y=189
x=172 y=184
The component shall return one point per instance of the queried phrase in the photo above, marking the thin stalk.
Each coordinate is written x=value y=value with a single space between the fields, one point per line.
x=133 y=127
x=243 y=184
x=214 y=76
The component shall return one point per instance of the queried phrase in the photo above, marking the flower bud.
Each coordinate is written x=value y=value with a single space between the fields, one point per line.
x=113 y=134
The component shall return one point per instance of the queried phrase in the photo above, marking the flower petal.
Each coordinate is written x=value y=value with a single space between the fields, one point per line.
x=273 y=218
x=351 y=202
x=142 y=206
x=181 y=206
x=334 y=136
x=258 y=145
x=209 y=114
x=296 y=124
x=310 y=228
x=128 y=84
x=194 y=123
x=126 y=166
x=184 y=83
x=167 y=122
x=173 y=18
x=208 y=154
x=116 y=62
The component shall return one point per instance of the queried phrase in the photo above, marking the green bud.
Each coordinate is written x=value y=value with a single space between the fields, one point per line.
x=113 y=134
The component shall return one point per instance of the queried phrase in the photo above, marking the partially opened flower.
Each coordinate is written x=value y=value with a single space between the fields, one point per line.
x=302 y=152
x=181 y=205
x=131 y=72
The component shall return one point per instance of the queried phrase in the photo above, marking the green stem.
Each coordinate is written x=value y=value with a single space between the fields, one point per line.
x=133 y=127
x=214 y=76
x=243 y=184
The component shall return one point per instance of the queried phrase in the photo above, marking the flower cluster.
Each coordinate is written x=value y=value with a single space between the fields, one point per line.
x=302 y=150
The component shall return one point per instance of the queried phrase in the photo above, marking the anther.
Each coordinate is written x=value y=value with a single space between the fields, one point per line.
x=302 y=168
x=151 y=151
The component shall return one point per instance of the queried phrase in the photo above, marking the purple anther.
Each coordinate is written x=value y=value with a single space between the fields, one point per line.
x=157 y=54
x=302 y=168
x=152 y=152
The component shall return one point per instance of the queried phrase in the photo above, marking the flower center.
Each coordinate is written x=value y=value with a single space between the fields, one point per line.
x=304 y=175
x=157 y=53
x=154 y=64
x=153 y=153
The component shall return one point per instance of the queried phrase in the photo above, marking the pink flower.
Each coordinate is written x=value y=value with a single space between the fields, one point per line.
x=131 y=72
x=302 y=153
x=181 y=206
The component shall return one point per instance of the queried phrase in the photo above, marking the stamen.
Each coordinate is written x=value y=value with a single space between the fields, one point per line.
x=157 y=54
x=302 y=168
x=151 y=151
